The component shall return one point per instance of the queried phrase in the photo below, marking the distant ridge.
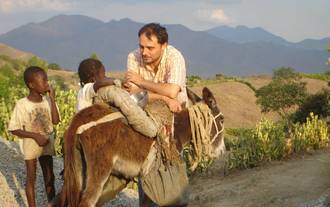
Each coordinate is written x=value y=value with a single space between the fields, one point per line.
x=243 y=34
x=14 y=53
x=67 y=39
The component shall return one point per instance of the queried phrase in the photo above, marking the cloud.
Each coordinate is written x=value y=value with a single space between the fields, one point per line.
x=11 y=6
x=214 y=16
x=218 y=15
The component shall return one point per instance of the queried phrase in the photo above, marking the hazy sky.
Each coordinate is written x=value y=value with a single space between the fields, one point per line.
x=293 y=20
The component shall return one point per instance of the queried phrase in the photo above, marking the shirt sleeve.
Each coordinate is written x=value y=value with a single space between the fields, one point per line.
x=88 y=91
x=16 y=121
x=177 y=70
x=132 y=62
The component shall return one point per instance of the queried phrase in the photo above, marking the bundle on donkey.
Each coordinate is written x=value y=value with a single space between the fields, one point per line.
x=115 y=150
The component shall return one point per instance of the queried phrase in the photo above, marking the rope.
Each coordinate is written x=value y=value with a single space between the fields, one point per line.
x=201 y=120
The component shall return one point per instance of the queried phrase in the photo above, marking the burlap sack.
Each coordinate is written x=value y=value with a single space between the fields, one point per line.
x=166 y=185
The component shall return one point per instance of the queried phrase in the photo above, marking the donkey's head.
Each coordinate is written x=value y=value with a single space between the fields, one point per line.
x=217 y=129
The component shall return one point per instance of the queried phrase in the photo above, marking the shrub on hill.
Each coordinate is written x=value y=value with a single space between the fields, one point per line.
x=54 y=66
x=282 y=93
x=318 y=103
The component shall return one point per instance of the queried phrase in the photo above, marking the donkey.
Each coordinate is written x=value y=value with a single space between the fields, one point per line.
x=114 y=148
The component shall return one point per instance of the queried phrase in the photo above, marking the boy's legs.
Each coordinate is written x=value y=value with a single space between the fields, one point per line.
x=46 y=163
x=31 y=166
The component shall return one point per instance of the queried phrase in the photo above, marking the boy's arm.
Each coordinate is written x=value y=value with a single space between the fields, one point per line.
x=53 y=107
x=40 y=139
x=105 y=82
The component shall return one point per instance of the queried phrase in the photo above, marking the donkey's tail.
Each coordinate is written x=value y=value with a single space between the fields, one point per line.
x=72 y=182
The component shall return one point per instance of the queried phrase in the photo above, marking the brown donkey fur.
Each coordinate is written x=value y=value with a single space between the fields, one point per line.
x=114 y=148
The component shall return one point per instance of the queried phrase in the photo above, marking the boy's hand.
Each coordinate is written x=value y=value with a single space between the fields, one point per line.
x=51 y=92
x=42 y=140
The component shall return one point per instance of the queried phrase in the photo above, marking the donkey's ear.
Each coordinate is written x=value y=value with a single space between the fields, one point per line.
x=209 y=98
x=192 y=96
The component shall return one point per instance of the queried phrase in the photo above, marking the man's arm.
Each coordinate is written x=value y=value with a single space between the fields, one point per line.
x=173 y=104
x=166 y=89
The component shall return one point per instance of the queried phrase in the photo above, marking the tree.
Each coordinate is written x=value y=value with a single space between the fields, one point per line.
x=284 y=74
x=94 y=56
x=36 y=61
x=318 y=103
x=54 y=66
x=282 y=93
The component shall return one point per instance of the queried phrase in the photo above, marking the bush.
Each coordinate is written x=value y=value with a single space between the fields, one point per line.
x=310 y=135
x=252 y=147
x=54 y=66
x=285 y=91
x=318 y=103
x=274 y=141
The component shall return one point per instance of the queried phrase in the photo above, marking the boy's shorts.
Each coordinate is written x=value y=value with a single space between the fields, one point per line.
x=31 y=149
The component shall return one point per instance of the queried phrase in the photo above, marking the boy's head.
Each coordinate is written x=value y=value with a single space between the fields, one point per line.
x=90 y=70
x=35 y=78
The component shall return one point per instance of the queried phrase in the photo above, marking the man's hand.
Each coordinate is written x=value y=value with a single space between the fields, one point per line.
x=42 y=140
x=134 y=78
x=174 y=105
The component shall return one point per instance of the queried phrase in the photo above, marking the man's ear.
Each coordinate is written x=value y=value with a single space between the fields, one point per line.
x=164 y=46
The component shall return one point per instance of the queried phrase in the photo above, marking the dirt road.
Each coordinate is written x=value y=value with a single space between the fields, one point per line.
x=303 y=181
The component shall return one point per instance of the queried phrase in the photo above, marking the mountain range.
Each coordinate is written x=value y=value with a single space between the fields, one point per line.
x=67 y=39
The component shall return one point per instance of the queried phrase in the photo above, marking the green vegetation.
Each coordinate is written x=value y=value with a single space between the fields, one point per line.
x=274 y=141
x=282 y=93
x=318 y=103
x=54 y=66
x=320 y=76
x=94 y=56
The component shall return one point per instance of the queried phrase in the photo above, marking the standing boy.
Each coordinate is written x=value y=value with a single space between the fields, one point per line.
x=32 y=121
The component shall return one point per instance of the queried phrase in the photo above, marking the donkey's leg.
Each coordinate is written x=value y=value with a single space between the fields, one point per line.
x=94 y=186
x=98 y=169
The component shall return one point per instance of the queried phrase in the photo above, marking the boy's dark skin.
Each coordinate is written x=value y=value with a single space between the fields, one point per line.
x=38 y=86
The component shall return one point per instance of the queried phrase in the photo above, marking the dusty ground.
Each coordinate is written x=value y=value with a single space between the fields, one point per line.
x=303 y=181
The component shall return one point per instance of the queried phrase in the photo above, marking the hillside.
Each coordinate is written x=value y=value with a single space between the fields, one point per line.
x=236 y=100
x=14 y=53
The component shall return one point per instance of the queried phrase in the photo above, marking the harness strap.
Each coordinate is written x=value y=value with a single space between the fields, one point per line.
x=107 y=118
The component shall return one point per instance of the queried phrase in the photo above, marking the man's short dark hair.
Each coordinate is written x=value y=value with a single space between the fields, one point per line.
x=30 y=72
x=155 y=29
